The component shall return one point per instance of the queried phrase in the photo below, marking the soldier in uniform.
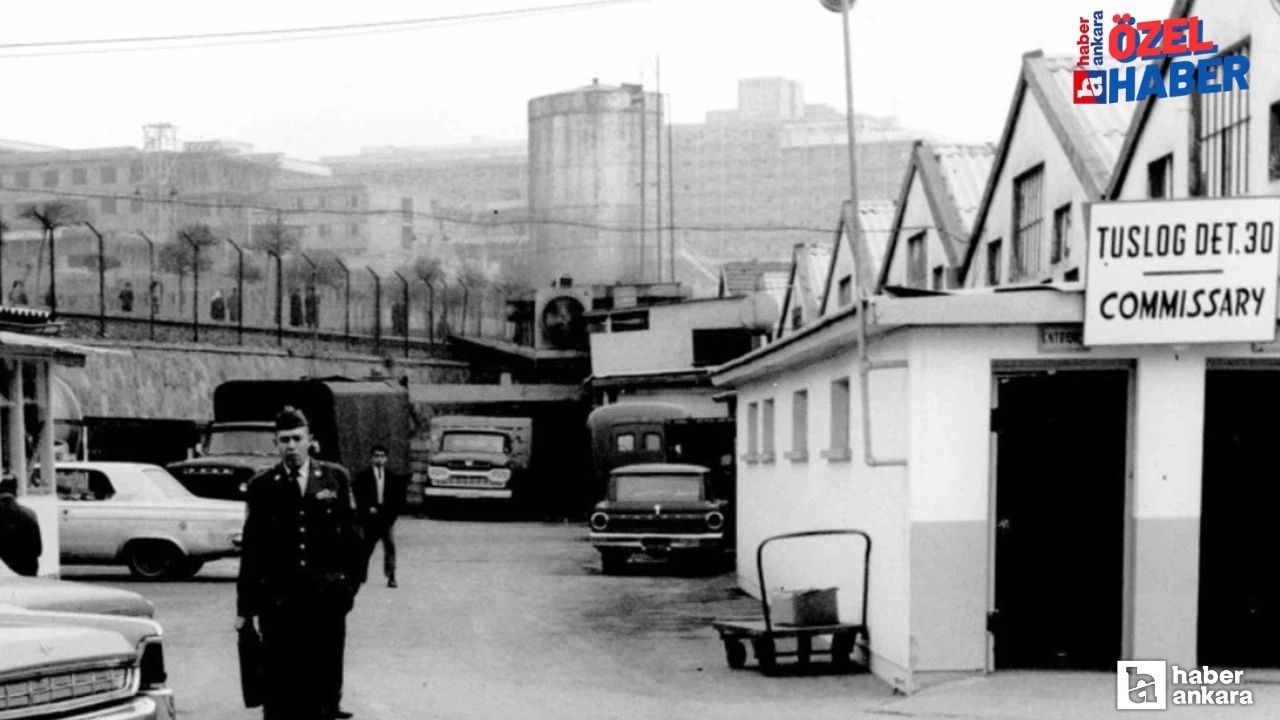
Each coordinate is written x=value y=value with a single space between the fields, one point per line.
x=301 y=551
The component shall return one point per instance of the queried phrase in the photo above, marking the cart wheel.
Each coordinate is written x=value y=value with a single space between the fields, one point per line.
x=735 y=653
x=842 y=651
x=765 y=656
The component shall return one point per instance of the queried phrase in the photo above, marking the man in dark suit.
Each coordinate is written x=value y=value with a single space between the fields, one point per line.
x=301 y=551
x=380 y=497
x=20 y=545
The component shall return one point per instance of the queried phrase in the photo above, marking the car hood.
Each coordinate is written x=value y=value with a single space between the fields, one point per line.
x=256 y=462
x=63 y=596
x=43 y=641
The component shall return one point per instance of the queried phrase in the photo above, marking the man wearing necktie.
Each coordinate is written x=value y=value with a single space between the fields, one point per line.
x=380 y=496
x=301 y=553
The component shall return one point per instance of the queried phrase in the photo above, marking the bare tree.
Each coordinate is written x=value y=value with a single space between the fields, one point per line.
x=178 y=256
x=51 y=216
x=471 y=277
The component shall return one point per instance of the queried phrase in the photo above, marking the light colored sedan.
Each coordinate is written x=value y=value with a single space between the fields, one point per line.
x=140 y=516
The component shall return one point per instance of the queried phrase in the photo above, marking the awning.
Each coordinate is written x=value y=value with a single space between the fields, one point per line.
x=42 y=347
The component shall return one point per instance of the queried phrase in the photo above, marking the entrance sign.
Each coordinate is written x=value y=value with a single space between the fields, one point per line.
x=1182 y=271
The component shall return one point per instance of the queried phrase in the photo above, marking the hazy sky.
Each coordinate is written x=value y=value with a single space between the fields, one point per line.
x=943 y=66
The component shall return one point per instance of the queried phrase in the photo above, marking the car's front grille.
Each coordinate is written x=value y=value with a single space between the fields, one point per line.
x=664 y=522
x=58 y=690
x=471 y=481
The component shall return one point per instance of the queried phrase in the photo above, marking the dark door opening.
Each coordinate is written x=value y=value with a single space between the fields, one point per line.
x=1239 y=610
x=1060 y=503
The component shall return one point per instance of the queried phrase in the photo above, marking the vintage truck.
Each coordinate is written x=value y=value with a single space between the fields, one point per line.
x=474 y=457
x=347 y=418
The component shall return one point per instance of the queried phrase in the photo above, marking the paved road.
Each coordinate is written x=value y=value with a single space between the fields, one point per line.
x=508 y=620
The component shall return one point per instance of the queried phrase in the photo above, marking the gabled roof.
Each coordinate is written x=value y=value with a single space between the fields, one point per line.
x=875 y=220
x=739 y=277
x=812 y=261
x=1090 y=135
x=1181 y=8
x=953 y=178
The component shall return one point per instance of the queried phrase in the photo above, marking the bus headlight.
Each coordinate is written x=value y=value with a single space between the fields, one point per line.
x=436 y=473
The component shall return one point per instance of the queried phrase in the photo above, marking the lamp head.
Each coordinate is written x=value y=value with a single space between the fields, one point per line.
x=836 y=5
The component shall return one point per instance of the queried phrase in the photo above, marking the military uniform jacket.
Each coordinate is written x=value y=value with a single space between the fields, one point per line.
x=299 y=547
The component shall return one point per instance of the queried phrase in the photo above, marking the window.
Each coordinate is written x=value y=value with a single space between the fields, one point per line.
x=1160 y=175
x=322 y=202
x=353 y=229
x=799 y=426
x=299 y=203
x=51 y=178
x=797 y=317
x=766 y=431
x=135 y=206
x=839 y=449
x=1028 y=222
x=135 y=172
x=844 y=295
x=107 y=174
x=626 y=442
x=79 y=176
x=353 y=201
x=917 y=274
x=719 y=345
x=406 y=236
x=108 y=206
x=939 y=281
x=1061 y=249
x=994 y=261
x=83 y=485
x=753 y=431
x=652 y=442
x=22 y=178
x=1220 y=145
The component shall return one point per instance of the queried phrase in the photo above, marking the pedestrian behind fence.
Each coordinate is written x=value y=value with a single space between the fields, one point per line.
x=126 y=297
x=217 y=307
x=18 y=293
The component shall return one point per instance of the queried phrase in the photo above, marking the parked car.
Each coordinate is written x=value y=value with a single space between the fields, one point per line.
x=74 y=651
x=658 y=509
x=138 y=515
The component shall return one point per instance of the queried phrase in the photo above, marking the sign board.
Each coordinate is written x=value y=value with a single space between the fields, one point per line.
x=1061 y=338
x=1182 y=271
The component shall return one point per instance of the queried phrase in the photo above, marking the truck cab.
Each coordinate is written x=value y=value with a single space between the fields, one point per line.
x=233 y=452
x=476 y=458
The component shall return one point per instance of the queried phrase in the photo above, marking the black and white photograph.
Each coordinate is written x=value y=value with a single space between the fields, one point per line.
x=639 y=360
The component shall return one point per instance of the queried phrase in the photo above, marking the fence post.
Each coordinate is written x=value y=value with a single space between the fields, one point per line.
x=405 y=305
x=239 y=292
x=346 y=303
x=151 y=284
x=279 y=297
x=102 y=282
x=195 y=289
x=377 y=310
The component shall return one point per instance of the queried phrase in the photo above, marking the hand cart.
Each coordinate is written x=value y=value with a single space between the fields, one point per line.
x=762 y=634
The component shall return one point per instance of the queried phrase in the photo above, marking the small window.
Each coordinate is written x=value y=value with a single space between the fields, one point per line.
x=322 y=202
x=839 y=419
x=22 y=178
x=353 y=201
x=797 y=317
x=626 y=442
x=135 y=172
x=406 y=236
x=652 y=442
x=917 y=259
x=844 y=295
x=799 y=425
x=1160 y=173
x=107 y=174
x=994 y=261
x=299 y=203
x=135 y=206
x=353 y=230
x=108 y=206
x=1061 y=249
x=766 y=430
x=939 y=281
x=753 y=430
x=79 y=176
x=51 y=178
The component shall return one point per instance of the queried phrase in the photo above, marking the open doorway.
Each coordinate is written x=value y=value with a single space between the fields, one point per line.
x=1059 y=518
x=1239 y=610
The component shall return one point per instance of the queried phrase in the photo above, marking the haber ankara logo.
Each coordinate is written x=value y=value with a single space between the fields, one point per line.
x=1090 y=87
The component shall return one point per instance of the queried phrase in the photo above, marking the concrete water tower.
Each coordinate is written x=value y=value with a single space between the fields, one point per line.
x=593 y=217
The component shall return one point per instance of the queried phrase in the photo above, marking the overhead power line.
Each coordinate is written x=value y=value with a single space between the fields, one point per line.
x=246 y=37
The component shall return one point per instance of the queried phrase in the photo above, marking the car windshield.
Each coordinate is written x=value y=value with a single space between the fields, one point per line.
x=473 y=442
x=645 y=488
x=241 y=442
x=165 y=484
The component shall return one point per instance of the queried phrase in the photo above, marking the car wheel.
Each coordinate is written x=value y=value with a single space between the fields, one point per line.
x=153 y=560
x=613 y=561
x=735 y=653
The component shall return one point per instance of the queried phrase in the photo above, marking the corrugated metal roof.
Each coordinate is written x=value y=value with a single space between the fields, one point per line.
x=1103 y=127
x=875 y=217
x=964 y=170
x=745 y=277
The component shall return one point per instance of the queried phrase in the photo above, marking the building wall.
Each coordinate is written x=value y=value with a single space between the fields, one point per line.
x=1033 y=142
x=668 y=343
x=787 y=495
x=916 y=216
x=1167 y=126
